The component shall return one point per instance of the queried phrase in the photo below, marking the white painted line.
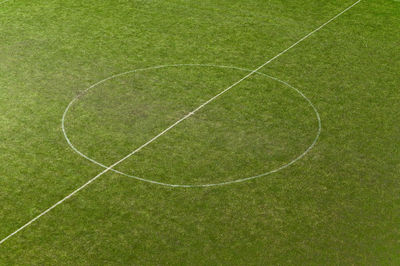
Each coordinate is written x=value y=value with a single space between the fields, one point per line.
x=197 y=185
x=175 y=124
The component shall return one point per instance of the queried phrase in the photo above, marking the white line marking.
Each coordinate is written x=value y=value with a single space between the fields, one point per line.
x=176 y=123
x=197 y=185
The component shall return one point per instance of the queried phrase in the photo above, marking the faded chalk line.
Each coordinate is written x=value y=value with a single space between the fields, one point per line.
x=191 y=113
x=175 y=124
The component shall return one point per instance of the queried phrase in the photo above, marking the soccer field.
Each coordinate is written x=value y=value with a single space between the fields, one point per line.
x=183 y=132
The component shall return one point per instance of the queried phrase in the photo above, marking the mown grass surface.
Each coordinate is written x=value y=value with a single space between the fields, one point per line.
x=338 y=205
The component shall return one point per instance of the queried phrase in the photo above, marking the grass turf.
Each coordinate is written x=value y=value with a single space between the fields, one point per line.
x=338 y=205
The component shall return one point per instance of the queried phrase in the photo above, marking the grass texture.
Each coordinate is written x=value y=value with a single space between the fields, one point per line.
x=338 y=205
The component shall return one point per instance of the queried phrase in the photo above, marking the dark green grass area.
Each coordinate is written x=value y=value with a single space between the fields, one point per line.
x=337 y=205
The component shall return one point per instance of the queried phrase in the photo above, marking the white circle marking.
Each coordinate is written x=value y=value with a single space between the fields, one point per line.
x=199 y=185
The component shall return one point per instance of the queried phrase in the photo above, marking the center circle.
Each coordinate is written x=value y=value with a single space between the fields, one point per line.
x=230 y=181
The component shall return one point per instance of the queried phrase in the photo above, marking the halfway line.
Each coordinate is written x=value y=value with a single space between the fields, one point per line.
x=177 y=122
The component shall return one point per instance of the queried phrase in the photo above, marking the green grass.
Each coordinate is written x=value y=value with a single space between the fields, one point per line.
x=337 y=205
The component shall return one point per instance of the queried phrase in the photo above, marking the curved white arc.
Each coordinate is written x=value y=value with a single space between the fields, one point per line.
x=194 y=185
